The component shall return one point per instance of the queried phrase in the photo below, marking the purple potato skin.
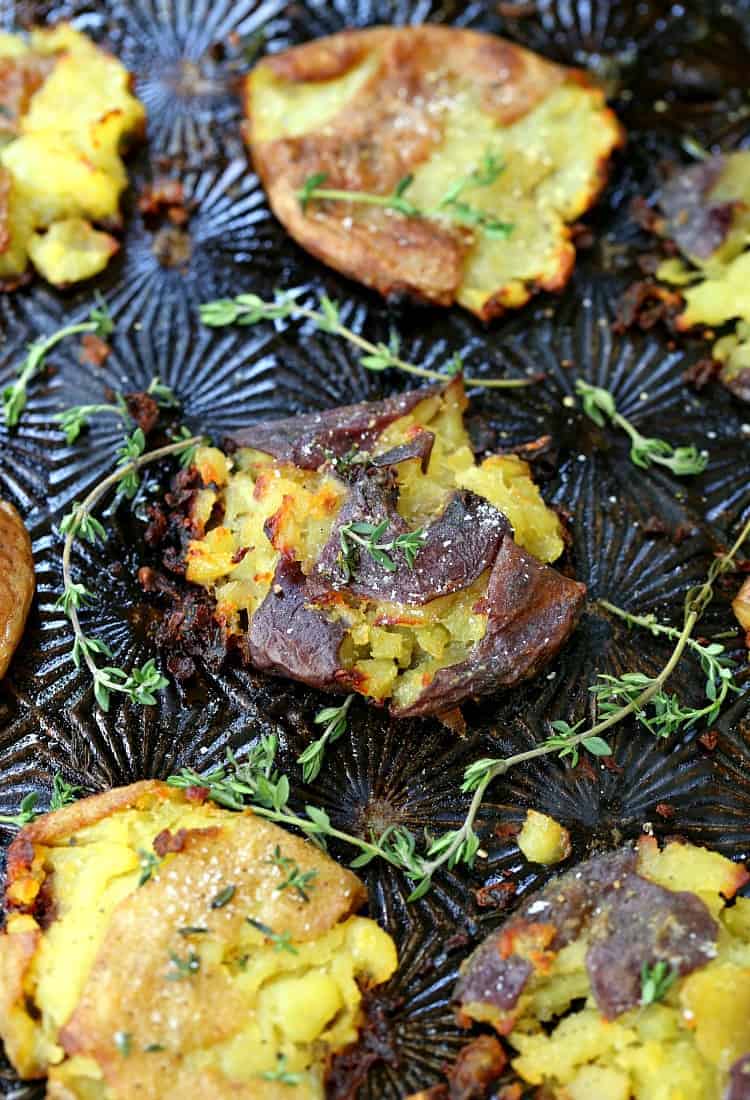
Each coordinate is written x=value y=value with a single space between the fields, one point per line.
x=532 y=610
x=459 y=545
x=288 y=638
x=739 y=1080
x=309 y=440
x=628 y=919
x=697 y=225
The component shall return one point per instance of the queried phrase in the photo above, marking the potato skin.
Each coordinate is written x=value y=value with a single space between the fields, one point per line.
x=17 y=581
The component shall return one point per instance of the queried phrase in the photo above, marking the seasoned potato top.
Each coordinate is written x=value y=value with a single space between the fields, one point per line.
x=66 y=113
x=365 y=549
x=628 y=977
x=152 y=937
x=16 y=581
x=491 y=150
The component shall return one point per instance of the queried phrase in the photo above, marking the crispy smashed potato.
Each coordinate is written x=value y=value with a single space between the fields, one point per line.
x=707 y=214
x=468 y=611
x=625 y=979
x=66 y=114
x=16 y=581
x=152 y=937
x=373 y=110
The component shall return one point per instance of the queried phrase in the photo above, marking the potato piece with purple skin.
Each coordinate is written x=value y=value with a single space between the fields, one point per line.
x=628 y=971
x=343 y=551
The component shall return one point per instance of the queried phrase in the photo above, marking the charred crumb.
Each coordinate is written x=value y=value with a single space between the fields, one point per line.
x=164 y=198
x=644 y=304
x=377 y=1043
x=701 y=373
x=709 y=740
x=144 y=410
x=496 y=895
x=94 y=351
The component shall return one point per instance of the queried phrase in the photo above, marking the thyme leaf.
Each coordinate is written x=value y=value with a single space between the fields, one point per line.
x=282 y=941
x=599 y=404
x=27 y=812
x=335 y=719
x=63 y=793
x=656 y=981
x=184 y=968
x=300 y=881
x=249 y=309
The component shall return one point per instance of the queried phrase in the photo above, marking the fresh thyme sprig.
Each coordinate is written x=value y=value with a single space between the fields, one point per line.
x=249 y=309
x=257 y=784
x=63 y=793
x=15 y=395
x=656 y=981
x=368 y=535
x=450 y=206
x=481 y=773
x=139 y=684
x=302 y=882
x=335 y=719
x=667 y=714
x=599 y=403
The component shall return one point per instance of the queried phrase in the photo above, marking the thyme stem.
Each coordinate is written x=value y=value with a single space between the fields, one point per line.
x=103 y=681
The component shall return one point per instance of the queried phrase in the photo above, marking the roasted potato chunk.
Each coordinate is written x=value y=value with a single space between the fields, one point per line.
x=363 y=549
x=493 y=150
x=16 y=581
x=67 y=114
x=151 y=938
x=706 y=212
x=625 y=979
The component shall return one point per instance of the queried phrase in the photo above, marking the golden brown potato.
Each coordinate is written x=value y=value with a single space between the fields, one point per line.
x=628 y=978
x=154 y=938
x=16 y=581
x=66 y=115
x=483 y=131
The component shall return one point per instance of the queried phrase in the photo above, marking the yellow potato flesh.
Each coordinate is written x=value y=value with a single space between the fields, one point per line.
x=542 y=839
x=66 y=164
x=678 y=1049
x=397 y=649
x=299 y=1005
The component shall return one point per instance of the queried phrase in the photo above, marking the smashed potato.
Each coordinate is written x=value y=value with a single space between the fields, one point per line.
x=66 y=114
x=706 y=212
x=152 y=937
x=17 y=582
x=493 y=151
x=543 y=840
x=625 y=979
x=364 y=549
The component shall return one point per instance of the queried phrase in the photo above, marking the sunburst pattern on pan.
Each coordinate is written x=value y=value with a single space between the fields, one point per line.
x=186 y=58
